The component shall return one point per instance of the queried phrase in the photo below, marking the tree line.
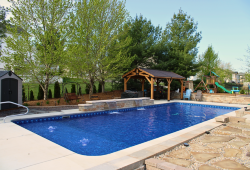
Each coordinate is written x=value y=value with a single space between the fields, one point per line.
x=95 y=40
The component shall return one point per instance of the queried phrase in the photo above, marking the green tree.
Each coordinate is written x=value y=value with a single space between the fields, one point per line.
x=99 y=87
x=177 y=50
x=225 y=71
x=3 y=23
x=31 y=95
x=57 y=90
x=73 y=88
x=23 y=93
x=40 y=93
x=94 y=27
x=37 y=46
x=50 y=94
x=209 y=61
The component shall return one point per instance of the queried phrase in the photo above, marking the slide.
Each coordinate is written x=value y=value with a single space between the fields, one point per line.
x=218 y=85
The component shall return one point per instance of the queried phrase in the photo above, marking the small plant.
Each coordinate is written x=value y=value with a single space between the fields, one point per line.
x=242 y=91
x=38 y=103
x=58 y=101
x=26 y=104
x=47 y=102
x=77 y=100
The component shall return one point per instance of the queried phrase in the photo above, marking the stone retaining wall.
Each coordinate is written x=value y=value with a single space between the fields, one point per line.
x=223 y=99
x=120 y=103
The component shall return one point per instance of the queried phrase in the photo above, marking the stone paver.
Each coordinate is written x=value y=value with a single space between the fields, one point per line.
x=206 y=167
x=244 y=139
x=246 y=132
x=180 y=162
x=230 y=152
x=200 y=148
x=238 y=144
x=239 y=125
x=204 y=157
x=211 y=139
x=229 y=164
x=231 y=129
x=216 y=145
x=181 y=153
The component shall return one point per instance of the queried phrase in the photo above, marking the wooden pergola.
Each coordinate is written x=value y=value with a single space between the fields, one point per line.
x=152 y=76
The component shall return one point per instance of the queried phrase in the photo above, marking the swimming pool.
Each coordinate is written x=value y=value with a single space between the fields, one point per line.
x=101 y=133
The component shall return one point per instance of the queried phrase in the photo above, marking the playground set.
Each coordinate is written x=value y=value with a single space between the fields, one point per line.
x=212 y=84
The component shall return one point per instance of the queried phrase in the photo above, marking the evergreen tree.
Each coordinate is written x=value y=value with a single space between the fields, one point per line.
x=23 y=93
x=31 y=95
x=73 y=88
x=99 y=87
x=57 y=90
x=40 y=93
x=87 y=88
x=50 y=94
x=94 y=88
x=177 y=50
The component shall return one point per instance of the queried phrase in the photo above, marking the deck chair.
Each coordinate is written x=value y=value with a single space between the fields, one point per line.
x=187 y=94
x=198 y=95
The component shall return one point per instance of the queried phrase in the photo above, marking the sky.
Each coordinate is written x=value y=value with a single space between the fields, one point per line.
x=225 y=24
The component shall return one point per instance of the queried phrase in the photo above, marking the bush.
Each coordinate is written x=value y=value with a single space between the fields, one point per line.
x=23 y=94
x=242 y=91
x=58 y=101
x=38 y=104
x=26 y=104
x=73 y=88
x=40 y=93
x=31 y=95
x=220 y=90
x=99 y=87
x=57 y=90
x=77 y=100
x=66 y=90
x=47 y=102
x=50 y=94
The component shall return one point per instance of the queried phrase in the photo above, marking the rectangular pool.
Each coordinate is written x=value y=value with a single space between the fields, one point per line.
x=101 y=133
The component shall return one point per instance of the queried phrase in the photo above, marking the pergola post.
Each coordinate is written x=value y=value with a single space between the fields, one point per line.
x=152 y=88
x=169 y=82
x=125 y=83
x=181 y=81
x=142 y=86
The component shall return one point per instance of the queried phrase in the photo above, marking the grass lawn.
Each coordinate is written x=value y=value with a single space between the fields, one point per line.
x=35 y=86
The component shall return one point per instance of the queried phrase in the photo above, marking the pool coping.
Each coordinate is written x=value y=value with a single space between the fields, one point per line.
x=48 y=155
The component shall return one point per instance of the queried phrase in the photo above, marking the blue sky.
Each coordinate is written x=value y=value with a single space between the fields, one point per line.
x=225 y=24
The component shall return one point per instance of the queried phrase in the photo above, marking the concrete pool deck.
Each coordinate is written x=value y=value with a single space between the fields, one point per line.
x=22 y=149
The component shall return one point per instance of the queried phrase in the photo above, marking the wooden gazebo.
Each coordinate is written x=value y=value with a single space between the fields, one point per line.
x=153 y=76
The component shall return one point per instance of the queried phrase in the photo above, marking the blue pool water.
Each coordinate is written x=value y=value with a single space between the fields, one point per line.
x=101 y=133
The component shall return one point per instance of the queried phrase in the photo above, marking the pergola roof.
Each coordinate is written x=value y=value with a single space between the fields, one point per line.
x=137 y=72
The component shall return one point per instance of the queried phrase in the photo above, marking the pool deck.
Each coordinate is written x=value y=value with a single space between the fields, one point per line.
x=23 y=149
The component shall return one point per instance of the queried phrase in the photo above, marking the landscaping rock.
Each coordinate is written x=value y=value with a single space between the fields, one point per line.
x=180 y=162
x=238 y=144
x=204 y=157
x=230 y=152
x=229 y=164
x=231 y=130
x=211 y=139
x=181 y=153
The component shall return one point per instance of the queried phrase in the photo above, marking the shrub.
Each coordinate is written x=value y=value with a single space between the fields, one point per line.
x=57 y=90
x=38 y=104
x=47 y=102
x=73 y=88
x=40 y=93
x=50 y=94
x=26 y=104
x=31 y=95
x=58 y=101
x=99 y=87
x=66 y=90
x=23 y=94
x=220 y=90
x=242 y=91
x=77 y=100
